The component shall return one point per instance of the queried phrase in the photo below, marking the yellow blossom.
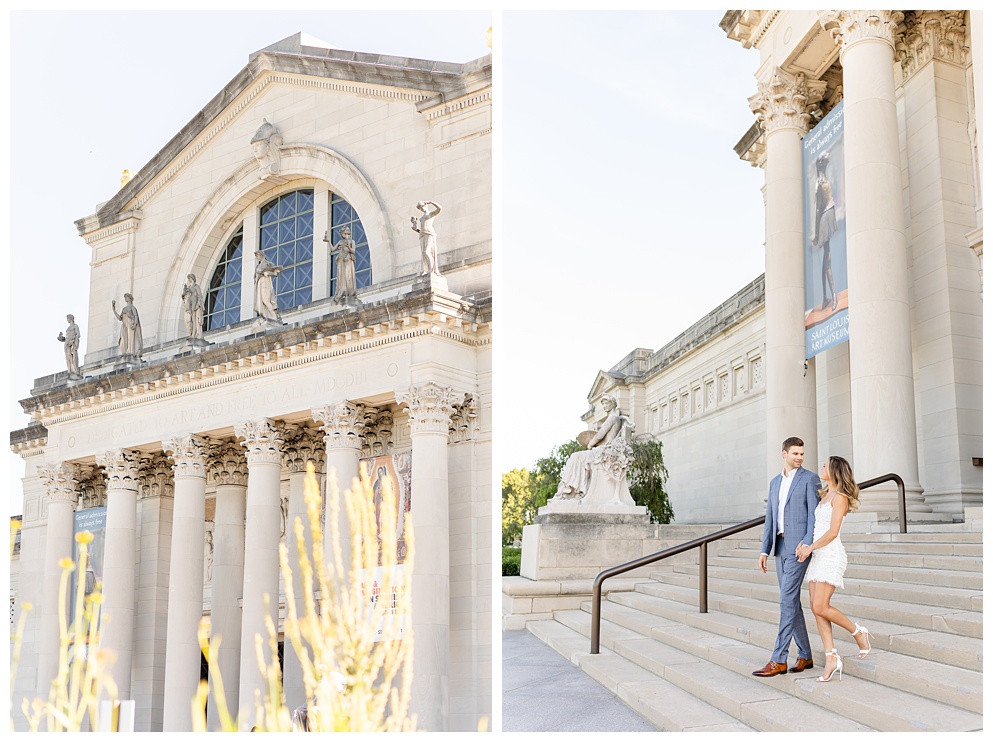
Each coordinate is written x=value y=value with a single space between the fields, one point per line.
x=67 y=563
x=84 y=537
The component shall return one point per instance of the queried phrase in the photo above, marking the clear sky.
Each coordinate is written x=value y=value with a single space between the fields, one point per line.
x=627 y=215
x=92 y=93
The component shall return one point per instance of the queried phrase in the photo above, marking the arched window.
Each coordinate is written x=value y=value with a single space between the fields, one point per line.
x=286 y=236
x=343 y=215
x=223 y=305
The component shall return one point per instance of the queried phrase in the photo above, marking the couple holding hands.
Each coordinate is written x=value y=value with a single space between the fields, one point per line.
x=802 y=526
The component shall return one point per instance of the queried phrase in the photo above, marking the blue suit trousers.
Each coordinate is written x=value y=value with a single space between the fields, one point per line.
x=790 y=572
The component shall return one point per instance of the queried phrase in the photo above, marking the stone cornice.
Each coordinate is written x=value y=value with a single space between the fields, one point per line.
x=747 y=27
x=849 y=27
x=929 y=35
x=389 y=323
x=390 y=78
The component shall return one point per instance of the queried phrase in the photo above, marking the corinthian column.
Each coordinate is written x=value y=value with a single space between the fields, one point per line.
x=884 y=428
x=117 y=617
x=343 y=424
x=263 y=443
x=302 y=445
x=61 y=481
x=229 y=473
x=783 y=107
x=182 y=668
x=430 y=408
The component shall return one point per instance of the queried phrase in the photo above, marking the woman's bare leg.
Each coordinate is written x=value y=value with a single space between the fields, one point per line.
x=825 y=614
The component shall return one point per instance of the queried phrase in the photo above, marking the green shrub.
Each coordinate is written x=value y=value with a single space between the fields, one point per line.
x=511 y=561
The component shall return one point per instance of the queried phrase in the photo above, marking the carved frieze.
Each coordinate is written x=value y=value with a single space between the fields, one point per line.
x=190 y=454
x=850 y=26
x=228 y=465
x=465 y=419
x=61 y=480
x=787 y=101
x=430 y=407
x=343 y=424
x=121 y=468
x=156 y=476
x=302 y=444
x=263 y=441
x=932 y=34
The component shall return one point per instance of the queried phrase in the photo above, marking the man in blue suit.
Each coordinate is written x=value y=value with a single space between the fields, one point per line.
x=789 y=521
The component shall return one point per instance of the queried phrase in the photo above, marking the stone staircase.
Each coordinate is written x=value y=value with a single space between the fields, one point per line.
x=920 y=594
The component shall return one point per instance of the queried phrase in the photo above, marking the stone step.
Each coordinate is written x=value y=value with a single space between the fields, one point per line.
x=913 y=537
x=928 y=561
x=950 y=648
x=645 y=615
x=663 y=704
x=869 y=703
x=760 y=707
x=948 y=597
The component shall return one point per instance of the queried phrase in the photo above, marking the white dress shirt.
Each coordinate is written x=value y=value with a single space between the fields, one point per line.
x=784 y=491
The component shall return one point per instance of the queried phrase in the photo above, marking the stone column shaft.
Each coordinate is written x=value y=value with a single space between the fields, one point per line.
x=117 y=617
x=430 y=408
x=263 y=441
x=884 y=429
x=343 y=424
x=182 y=669
x=60 y=480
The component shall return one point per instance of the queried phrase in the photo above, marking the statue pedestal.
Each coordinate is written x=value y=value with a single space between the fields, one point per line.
x=564 y=545
x=194 y=345
x=127 y=363
x=436 y=281
x=263 y=325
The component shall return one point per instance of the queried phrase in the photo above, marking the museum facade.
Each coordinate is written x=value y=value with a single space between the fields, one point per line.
x=302 y=274
x=872 y=349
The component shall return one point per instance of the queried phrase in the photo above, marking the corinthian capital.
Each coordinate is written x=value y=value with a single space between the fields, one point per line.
x=303 y=445
x=932 y=34
x=190 y=452
x=228 y=465
x=787 y=101
x=343 y=424
x=156 y=476
x=263 y=441
x=121 y=468
x=61 y=481
x=465 y=419
x=430 y=407
x=851 y=26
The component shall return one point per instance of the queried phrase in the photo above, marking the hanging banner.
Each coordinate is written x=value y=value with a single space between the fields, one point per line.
x=825 y=248
x=93 y=520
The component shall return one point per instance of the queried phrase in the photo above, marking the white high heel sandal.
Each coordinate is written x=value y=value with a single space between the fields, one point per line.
x=838 y=668
x=868 y=647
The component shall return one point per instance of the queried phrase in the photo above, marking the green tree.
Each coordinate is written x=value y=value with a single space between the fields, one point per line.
x=647 y=476
x=547 y=472
x=518 y=503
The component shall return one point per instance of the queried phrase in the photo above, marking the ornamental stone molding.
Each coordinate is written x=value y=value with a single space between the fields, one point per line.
x=430 y=407
x=60 y=481
x=92 y=488
x=228 y=465
x=465 y=419
x=343 y=424
x=377 y=439
x=190 y=453
x=156 y=476
x=121 y=468
x=929 y=35
x=263 y=441
x=302 y=444
x=848 y=27
x=787 y=101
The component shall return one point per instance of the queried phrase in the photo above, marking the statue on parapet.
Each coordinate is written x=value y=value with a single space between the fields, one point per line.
x=598 y=476
x=193 y=307
x=266 y=304
x=344 y=253
x=129 y=344
x=424 y=226
x=71 y=340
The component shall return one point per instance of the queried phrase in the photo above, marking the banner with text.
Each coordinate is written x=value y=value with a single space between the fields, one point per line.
x=825 y=248
x=93 y=520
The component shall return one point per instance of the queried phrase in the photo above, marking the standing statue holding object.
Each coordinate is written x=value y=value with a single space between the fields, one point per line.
x=193 y=307
x=344 y=253
x=424 y=226
x=129 y=344
x=71 y=340
x=266 y=305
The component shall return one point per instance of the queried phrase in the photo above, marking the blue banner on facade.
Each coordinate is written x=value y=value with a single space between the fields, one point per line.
x=825 y=248
x=93 y=520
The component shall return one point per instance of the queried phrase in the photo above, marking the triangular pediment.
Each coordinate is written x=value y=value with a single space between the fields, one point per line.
x=605 y=381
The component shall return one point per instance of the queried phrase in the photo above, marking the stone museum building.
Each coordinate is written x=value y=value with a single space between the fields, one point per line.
x=902 y=393
x=302 y=274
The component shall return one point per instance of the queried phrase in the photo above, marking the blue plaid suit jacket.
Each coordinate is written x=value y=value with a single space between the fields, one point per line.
x=798 y=518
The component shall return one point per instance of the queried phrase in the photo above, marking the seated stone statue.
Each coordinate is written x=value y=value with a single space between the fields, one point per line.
x=598 y=475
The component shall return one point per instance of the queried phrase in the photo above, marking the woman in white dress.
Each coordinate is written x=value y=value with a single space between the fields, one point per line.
x=828 y=561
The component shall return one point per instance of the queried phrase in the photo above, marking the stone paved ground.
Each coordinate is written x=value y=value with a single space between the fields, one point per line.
x=544 y=692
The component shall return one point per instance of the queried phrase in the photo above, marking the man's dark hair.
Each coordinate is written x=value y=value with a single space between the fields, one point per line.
x=794 y=441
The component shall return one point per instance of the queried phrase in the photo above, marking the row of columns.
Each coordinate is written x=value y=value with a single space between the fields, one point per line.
x=882 y=387
x=246 y=542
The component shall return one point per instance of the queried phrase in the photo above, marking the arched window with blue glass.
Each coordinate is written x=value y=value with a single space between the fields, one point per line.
x=343 y=215
x=223 y=304
x=286 y=236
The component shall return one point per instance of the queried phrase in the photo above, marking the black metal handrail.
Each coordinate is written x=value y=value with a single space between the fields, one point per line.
x=702 y=542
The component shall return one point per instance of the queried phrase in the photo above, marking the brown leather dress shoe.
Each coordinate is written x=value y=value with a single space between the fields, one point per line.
x=801 y=665
x=771 y=670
